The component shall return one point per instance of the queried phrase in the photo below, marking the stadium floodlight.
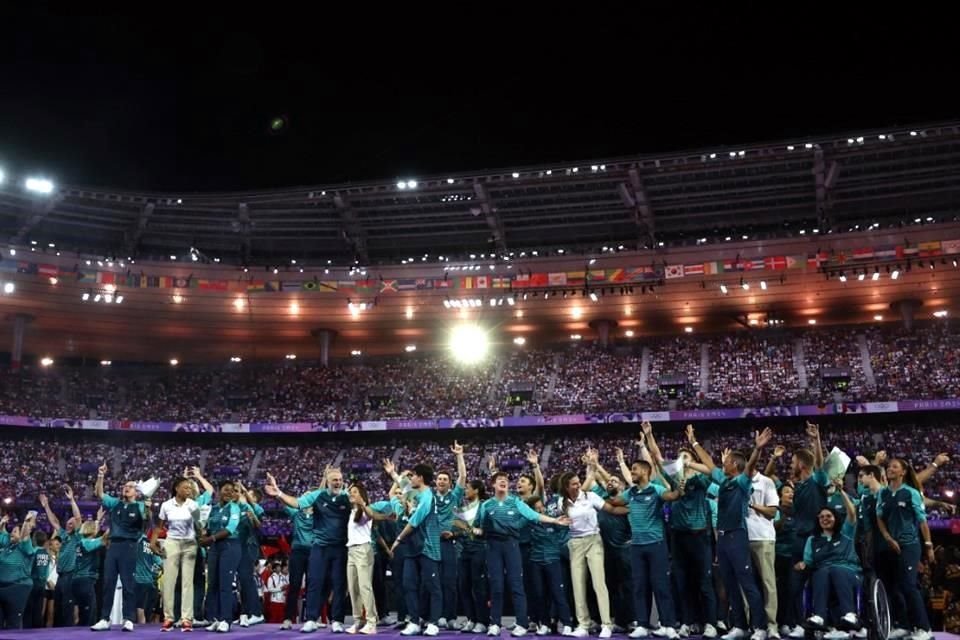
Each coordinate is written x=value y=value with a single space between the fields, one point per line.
x=469 y=343
x=39 y=185
x=576 y=336
x=763 y=285
x=9 y=287
x=410 y=348
x=519 y=341
x=174 y=362
x=723 y=289
x=593 y=296
x=895 y=274
x=46 y=362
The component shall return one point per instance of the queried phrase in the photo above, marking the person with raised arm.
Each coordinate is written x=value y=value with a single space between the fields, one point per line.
x=204 y=500
x=89 y=557
x=500 y=520
x=473 y=562
x=223 y=560
x=251 y=608
x=360 y=557
x=327 y=565
x=42 y=564
x=831 y=557
x=128 y=520
x=63 y=602
x=447 y=498
x=733 y=547
x=692 y=531
x=16 y=561
x=300 y=544
x=902 y=521
x=649 y=556
x=180 y=516
x=616 y=536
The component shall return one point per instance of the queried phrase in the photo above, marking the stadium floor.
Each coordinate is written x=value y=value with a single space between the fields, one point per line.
x=252 y=633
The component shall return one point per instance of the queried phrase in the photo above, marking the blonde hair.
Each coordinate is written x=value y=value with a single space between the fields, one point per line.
x=88 y=529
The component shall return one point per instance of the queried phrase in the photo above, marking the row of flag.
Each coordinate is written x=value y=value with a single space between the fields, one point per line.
x=580 y=278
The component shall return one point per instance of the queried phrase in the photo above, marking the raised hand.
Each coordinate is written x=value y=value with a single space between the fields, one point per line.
x=68 y=491
x=691 y=436
x=271 y=488
x=763 y=438
x=44 y=501
x=813 y=431
x=4 y=520
x=838 y=483
x=533 y=457
x=619 y=453
x=880 y=458
x=492 y=463
x=646 y=427
x=726 y=454
x=779 y=450
x=195 y=472
x=100 y=514
x=941 y=459
x=102 y=470
x=456 y=448
x=389 y=467
x=862 y=461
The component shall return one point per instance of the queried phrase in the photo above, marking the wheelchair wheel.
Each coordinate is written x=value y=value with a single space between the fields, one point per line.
x=877 y=611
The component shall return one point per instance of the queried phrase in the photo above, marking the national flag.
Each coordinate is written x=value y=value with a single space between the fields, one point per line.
x=28 y=268
x=255 y=286
x=482 y=282
x=928 y=249
x=575 y=278
x=166 y=282
x=796 y=262
x=272 y=285
x=106 y=277
x=814 y=260
x=775 y=263
x=466 y=282
x=388 y=285
x=758 y=264
x=212 y=285
x=445 y=283
x=557 y=279
x=864 y=253
x=712 y=268
x=311 y=285
x=951 y=246
x=521 y=281
x=424 y=283
x=500 y=282
x=597 y=275
x=236 y=286
x=407 y=284
x=48 y=270
x=674 y=271
x=732 y=265
x=693 y=269
x=153 y=282
x=539 y=280
x=889 y=251
x=181 y=283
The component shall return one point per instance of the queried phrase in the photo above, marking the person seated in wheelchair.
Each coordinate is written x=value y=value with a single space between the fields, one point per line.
x=831 y=556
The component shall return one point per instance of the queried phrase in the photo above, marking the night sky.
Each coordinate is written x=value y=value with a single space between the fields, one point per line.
x=186 y=104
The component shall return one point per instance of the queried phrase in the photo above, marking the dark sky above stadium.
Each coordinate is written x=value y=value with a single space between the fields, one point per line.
x=185 y=103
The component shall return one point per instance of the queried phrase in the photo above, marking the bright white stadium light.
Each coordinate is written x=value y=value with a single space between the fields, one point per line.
x=9 y=287
x=402 y=184
x=861 y=276
x=875 y=276
x=291 y=356
x=236 y=359
x=812 y=321
x=940 y=314
x=723 y=289
x=519 y=341
x=105 y=363
x=593 y=296
x=629 y=333
x=13 y=252
x=46 y=362
x=410 y=348
x=763 y=285
x=356 y=352
x=239 y=303
x=895 y=274
x=174 y=362
x=468 y=343
x=39 y=185
x=85 y=297
x=108 y=298
x=119 y=299
x=688 y=329
x=576 y=336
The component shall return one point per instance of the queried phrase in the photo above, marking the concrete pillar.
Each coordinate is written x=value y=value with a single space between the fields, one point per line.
x=324 y=339
x=603 y=328
x=908 y=311
x=20 y=322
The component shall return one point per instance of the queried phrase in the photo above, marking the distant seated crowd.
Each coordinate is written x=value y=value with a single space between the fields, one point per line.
x=755 y=368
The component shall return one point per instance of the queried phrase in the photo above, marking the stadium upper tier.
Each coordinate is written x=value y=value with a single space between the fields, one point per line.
x=819 y=366
x=833 y=183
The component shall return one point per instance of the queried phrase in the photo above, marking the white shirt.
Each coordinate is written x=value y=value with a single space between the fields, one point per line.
x=277 y=587
x=583 y=514
x=763 y=493
x=181 y=519
x=359 y=532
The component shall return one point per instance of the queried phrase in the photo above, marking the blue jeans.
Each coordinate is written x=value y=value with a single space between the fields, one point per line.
x=503 y=557
x=327 y=570
x=222 y=564
x=547 y=579
x=448 y=578
x=736 y=571
x=299 y=557
x=840 y=582
x=693 y=576
x=651 y=568
x=422 y=575
x=121 y=562
x=473 y=586
x=85 y=597
x=907 y=583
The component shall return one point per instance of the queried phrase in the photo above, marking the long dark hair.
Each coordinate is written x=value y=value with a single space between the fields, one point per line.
x=837 y=524
x=358 y=513
x=480 y=488
x=567 y=498
x=910 y=475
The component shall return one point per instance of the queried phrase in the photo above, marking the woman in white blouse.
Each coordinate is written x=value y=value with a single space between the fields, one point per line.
x=586 y=552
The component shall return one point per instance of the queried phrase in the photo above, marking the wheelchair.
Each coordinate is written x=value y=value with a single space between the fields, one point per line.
x=873 y=609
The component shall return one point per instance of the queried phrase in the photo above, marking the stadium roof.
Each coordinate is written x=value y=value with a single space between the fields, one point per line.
x=761 y=191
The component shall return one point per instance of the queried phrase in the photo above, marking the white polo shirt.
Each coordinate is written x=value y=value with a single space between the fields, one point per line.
x=583 y=514
x=763 y=493
x=181 y=519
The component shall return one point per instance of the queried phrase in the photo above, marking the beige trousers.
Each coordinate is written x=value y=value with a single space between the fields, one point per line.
x=586 y=553
x=360 y=583
x=180 y=557
x=764 y=556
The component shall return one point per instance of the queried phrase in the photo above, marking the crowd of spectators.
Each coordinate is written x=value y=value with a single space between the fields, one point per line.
x=749 y=368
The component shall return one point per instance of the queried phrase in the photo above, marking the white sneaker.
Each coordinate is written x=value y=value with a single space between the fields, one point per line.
x=921 y=634
x=252 y=620
x=666 y=632
x=411 y=629
x=213 y=625
x=606 y=631
x=580 y=632
x=321 y=625
x=369 y=629
x=709 y=631
x=784 y=630
x=455 y=625
x=815 y=621
x=518 y=632
x=431 y=630
x=244 y=620
x=127 y=626
x=287 y=625
x=388 y=621
x=898 y=634
x=567 y=630
x=639 y=632
x=493 y=630
x=735 y=633
x=772 y=631
x=851 y=619
x=543 y=630
x=442 y=623
x=309 y=626
x=352 y=629
x=336 y=627
x=477 y=628
x=223 y=627
x=683 y=631
x=103 y=625
x=797 y=632
x=759 y=634
x=860 y=633
x=836 y=634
